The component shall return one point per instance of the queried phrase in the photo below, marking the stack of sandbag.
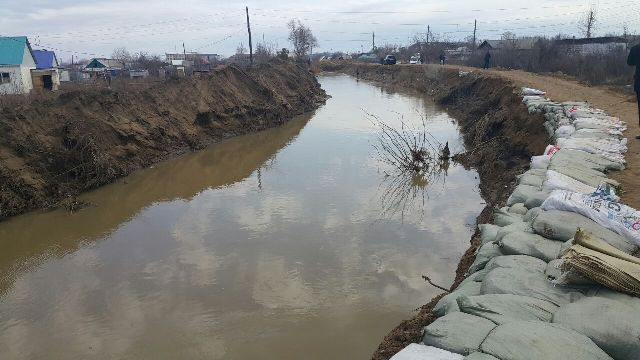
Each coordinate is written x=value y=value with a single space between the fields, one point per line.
x=550 y=278
x=604 y=210
x=613 y=269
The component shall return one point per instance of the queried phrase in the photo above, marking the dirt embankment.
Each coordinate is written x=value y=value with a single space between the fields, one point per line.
x=54 y=149
x=500 y=137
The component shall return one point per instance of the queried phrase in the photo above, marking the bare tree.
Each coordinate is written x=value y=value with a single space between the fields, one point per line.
x=301 y=38
x=511 y=39
x=121 y=54
x=264 y=51
x=241 y=49
x=588 y=23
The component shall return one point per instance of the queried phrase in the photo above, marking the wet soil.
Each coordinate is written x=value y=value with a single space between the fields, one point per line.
x=53 y=149
x=500 y=137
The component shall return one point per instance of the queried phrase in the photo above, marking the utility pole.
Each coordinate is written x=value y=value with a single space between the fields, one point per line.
x=184 y=51
x=373 y=41
x=428 y=32
x=473 y=46
x=250 y=44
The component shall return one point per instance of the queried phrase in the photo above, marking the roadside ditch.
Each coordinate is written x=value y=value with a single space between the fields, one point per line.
x=500 y=137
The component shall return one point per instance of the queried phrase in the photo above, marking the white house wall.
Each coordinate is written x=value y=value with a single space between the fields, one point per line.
x=18 y=75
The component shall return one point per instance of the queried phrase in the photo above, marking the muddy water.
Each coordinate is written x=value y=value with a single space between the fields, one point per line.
x=274 y=246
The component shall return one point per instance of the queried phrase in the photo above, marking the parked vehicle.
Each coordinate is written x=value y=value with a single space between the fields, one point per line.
x=389 y=60
x=415 y=59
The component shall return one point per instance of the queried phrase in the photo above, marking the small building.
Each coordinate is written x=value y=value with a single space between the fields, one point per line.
x=197 y=58
x=46 y=75
x=138 y=74
x=101 y=67
x=522 y=44
x=16 y=63
x=590 y=46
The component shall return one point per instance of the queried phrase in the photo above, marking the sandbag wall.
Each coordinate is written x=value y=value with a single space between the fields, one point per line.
x=557 y=275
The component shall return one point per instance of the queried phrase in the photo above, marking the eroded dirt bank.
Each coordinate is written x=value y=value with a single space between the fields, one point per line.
x=51 y=150
x=500 y=137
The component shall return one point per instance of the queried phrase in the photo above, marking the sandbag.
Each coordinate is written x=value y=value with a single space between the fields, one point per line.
x=485 y=253
x=518 y=208
x=503 y=218
x=520 y=226
x=554 y=273
x=504 y=308
x=610 y=271
x=581 y=173
x=592 y=161
x=457 y=332
x=531 y=214
x=530 y=93
x=537 y=340
x=528 y=283
x=449 y=302
x=536 y=199
x=521 y=243
x=540 y=162
x=423 y=352
x=531 y=180
x=606 y=293
x=611 y=325
x=615 y=216
x=521 y=193
x=562 y=225
x=516 y=261
x=558 y=181
x=479 y=356
x=488 y=232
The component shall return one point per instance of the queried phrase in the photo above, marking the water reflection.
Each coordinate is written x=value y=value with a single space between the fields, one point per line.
x=206 y=257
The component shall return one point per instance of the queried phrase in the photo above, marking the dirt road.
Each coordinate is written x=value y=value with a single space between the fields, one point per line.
x=615 y=102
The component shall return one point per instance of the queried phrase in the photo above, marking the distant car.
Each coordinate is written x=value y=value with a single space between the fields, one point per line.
x=415 y=60
x=389 y=60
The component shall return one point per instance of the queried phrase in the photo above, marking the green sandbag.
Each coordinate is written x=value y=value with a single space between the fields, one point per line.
x=504 y=308
x=592 y=161
x=518 y=208
x=449 y=302
x=529 y=263
x=536 y=199
x=562 y=225
x=519 y=226
x=488 y=232
x=521 y=193
x=529 y=283
x=606 y=293
x=537 y=340
x=485 y=253
x=503 y=218
x=613 y=326
x=480 y=356
x=531 y=214
x=531 y=180
x=521 y=243
x=457 y=332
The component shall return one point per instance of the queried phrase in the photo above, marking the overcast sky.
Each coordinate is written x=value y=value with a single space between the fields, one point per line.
x=89 y=29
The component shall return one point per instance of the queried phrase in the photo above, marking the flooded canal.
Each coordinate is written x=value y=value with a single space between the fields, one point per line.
x=275 y=245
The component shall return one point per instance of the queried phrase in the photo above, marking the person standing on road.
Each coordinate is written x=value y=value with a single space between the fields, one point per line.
x=634 y=60
x=442 y=58
x=487 y=59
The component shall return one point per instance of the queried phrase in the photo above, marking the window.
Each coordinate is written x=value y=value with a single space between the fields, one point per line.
x=5 y=78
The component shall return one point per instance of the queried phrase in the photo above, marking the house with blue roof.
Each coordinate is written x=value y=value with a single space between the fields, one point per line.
x=46 y=75
x=16 y=63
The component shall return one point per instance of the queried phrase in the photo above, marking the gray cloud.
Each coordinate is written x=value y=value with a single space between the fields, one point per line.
x=88 y=29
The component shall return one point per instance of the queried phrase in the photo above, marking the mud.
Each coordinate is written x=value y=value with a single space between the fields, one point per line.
x=53 y=149
x=500 y=137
